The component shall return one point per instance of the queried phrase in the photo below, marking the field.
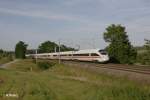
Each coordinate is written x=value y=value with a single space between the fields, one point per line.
x=62 y=82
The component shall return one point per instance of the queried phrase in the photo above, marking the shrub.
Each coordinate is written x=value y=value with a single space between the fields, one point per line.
x=34 y=61
x=45 y=65
x=143 y=59
x=10 y=57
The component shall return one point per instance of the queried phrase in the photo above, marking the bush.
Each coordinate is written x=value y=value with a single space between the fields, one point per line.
x=143 y=59
x=10 y=57
x=45 y=65
x=34 y=61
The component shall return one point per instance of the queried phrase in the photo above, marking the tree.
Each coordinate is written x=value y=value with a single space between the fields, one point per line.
x=144 y=56
x=1 y=51
x=49 y=46
x=119 y=49
x=20 y=50
x=65 y=48
x=147 y=46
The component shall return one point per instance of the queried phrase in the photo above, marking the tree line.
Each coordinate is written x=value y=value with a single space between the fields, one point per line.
x=45 y=47
x=49 y=46
x=6 y=54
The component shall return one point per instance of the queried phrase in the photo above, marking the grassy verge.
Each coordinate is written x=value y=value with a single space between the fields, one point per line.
x=62 y=82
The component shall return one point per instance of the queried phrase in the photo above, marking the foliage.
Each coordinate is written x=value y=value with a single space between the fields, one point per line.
x=139 y=48
x=119 y=49
x=45 y=65
x=5 y=56
x=20 y=50
x=5 y=53
x=10 y=57
x=49 y=46
x=144 y=57
x=1 y=51
x=65 y=48
x=31 y=51
x=147 y=46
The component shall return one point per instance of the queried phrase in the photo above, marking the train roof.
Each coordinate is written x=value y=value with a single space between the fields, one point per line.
x=79 y=51
x=72 y=52
x=88 y=51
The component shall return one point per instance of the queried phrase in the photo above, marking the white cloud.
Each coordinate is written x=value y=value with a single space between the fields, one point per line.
x=37 y=14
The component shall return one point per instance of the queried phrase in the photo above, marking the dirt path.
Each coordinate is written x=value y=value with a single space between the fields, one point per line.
x=5 y=65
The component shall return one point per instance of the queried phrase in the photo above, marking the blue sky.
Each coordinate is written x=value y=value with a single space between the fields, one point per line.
x=73 y=22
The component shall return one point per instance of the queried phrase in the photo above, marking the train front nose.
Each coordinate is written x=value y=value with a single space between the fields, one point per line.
x=104 y=55
x=105 y=58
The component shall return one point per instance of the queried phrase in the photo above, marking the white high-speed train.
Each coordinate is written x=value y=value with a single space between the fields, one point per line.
x=96 y=55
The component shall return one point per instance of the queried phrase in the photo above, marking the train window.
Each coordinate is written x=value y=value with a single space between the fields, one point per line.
x=103 y=52
x=94 y=54
x=81 y=54
x=54 y=55
x=85 y=54
x=63 y=55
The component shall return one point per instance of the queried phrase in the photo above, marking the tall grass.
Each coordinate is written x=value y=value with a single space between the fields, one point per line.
x=63 y=82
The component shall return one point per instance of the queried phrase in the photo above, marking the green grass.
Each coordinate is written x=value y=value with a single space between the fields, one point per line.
x=63 y=82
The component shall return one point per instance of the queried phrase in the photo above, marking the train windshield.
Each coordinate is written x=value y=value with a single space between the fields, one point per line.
x=103 y=52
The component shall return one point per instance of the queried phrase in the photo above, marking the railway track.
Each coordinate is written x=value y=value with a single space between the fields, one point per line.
x=120 y=67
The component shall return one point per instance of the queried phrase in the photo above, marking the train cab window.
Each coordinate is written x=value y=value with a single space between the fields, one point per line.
x=94 y=54
x=103 y=52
